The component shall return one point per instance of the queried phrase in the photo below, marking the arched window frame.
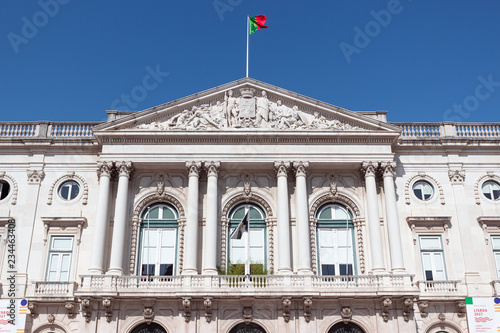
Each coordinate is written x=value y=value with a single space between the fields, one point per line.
x=255 y=223
x=340 y=224
x=161 y=224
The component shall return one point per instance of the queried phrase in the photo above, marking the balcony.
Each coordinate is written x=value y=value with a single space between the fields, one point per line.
x=442 y=289
x=237 y=286
x=52 y=290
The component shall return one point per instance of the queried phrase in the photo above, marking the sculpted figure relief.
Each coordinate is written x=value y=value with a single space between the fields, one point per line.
x=247 y=111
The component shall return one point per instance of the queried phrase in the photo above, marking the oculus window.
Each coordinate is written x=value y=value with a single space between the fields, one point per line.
x=4 y=189
x=423 y=190
x=69 y=190
x=491 y=190
x=158 y=241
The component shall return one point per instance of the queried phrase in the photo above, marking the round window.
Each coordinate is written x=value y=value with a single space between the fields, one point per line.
x=4 y=189
x=69 y=190
x=491 y=190
x=423 y=190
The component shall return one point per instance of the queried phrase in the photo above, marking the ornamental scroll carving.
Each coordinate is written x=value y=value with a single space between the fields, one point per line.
x=250 y=109
x=136 y=225
x=258 y=200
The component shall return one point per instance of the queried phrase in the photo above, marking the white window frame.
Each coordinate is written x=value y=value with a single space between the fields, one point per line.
x=420 y=185
x=158 y=226
x=337 y=259
x=158 y=261
x=60 y=254
x=436 y=256
x=486 y=182
x=496 y=253
x=258 y=252
x=71 y=183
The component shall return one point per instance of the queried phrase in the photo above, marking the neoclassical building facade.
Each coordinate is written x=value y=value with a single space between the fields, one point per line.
x=356 y=224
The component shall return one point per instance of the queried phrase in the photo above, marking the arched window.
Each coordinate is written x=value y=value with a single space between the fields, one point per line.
x=158 y=240
x=345 y=328
x=257 y=240
x=335 y=239
x=149 y=328
x=247 y=328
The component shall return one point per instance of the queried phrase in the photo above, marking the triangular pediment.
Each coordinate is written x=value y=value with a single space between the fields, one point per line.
x=245 y=105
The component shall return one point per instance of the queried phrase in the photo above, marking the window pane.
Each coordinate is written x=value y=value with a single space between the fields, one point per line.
x=430 y=243
x=497 y=262
x=495 y=242
x=423 y=190
x=328 y=269
x=428 y=276
x=4 y=189
x=326 y=214
x=343 y=269
x=340 y=213
x=64 y=192
x=62 y=243
x=74 y=191
x=148 y=270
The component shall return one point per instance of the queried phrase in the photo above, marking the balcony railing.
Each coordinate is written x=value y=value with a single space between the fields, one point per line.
x=52 y=290
x=237 y=285
x=442 y=288
x=44 y=129
x=449 y=130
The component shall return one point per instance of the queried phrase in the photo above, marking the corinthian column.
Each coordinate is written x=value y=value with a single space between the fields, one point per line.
x=210 y=243
x=124 y=170
x=391 y=209
x=101 y=220
x=304 y=245
x=191 y=236
x=369 y=169
x=284 y=262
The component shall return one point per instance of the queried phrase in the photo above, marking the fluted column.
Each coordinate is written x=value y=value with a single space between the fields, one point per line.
x=118 y=247
x=302 y=219
x=389 y=171
x=191 y=236
x=210 y=242
x=104 y=170
x=369 y=170
x=283 y=219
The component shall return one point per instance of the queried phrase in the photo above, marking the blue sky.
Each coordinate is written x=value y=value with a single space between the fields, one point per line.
x=422 y=60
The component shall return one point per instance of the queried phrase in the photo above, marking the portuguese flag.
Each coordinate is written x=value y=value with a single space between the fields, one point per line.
x=257 y=22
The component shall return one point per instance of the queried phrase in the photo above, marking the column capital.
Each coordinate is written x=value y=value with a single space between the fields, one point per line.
x=388 y=168
x=124 y=169
x=104 y=168
x=212 y=168
x=300 y=168
x=282 y=168
x=369 y=168
x=193 y=168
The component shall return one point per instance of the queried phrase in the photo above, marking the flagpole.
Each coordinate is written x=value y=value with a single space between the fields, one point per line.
x=248 y=35
x=247 y=246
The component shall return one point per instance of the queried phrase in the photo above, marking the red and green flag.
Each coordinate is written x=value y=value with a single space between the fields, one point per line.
x=257 y=22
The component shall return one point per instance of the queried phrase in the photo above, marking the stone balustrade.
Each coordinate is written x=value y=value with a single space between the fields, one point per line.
x=43 y=129
x=52 y=290
x=442 y=288
x=449 y=130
